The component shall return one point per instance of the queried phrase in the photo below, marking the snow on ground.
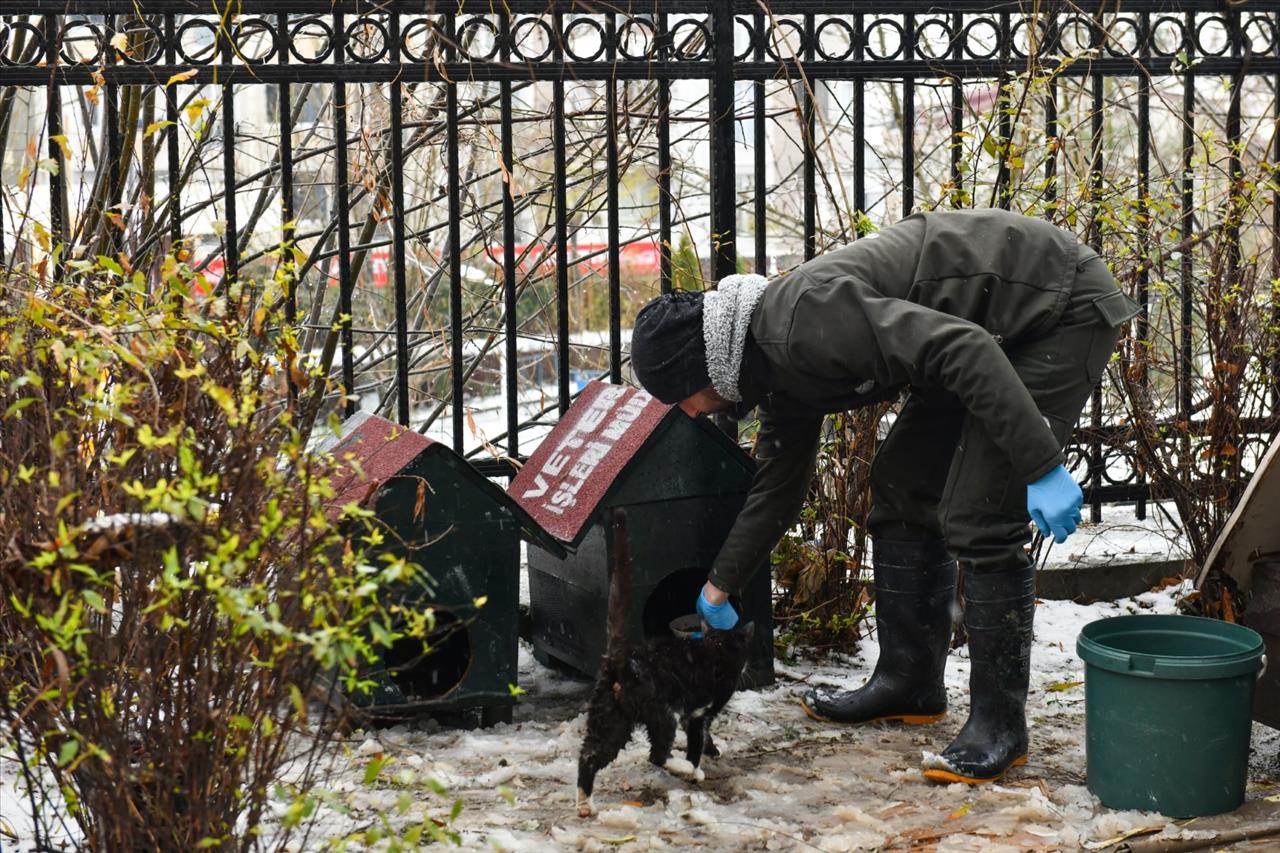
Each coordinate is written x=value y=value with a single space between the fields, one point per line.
x=1122 y=537
x=783 y=782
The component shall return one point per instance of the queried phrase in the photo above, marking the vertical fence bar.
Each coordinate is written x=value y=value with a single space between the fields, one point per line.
x=724 y=209
x=1051 y=136
x=908 y=118
x=1095 y=192
x=230 y=235
x=860 y=126
x=398 y=261
x=1275 y=228
x=1053 y=35
x=957 y=112
x=111 y=130
x=171 y=133
x=286 y=194
x=663 y=50
x=509 y=292
x=808 y=95
x=611 y=202
x=1141 y=352
x=562 y=219
x=723 y=170
x=1235 y=172
x=1235 y=177
x=345 y=284
x=53 y=122
x=760 y=166
x=1003 y=195
x=1185 y=235
x=452 y=144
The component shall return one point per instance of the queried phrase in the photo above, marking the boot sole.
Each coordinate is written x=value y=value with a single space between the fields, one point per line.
x=934 y=775
x=905 y=719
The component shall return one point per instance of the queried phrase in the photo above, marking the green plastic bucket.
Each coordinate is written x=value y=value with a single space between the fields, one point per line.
x=1168 y=703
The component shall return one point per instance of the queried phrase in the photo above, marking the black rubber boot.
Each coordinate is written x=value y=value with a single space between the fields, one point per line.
x=998 y=611
x=915 y=584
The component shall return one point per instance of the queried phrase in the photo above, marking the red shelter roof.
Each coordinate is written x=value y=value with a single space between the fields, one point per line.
x=382 y=447
x=373 y=450
x=568 y=475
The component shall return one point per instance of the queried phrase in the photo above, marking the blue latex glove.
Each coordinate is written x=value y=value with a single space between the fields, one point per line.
x=719 y=616
x=1053 y=503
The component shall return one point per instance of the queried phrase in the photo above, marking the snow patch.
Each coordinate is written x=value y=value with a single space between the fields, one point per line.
x=784 y=781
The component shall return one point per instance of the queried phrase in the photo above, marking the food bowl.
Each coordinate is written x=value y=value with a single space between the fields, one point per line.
x=688 y=626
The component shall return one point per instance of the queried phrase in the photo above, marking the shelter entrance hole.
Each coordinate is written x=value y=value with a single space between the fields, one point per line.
x=437 y=671
x=674 y=596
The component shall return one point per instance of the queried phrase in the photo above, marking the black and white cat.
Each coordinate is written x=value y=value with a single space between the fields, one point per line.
x=660 y=682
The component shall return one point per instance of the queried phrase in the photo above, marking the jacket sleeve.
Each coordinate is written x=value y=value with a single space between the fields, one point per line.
x=786 y=451
x=894 y=342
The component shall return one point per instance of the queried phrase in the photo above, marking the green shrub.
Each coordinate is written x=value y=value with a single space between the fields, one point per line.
x=178 y=600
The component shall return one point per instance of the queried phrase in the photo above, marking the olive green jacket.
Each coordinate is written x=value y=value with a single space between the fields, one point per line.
x=928 y=303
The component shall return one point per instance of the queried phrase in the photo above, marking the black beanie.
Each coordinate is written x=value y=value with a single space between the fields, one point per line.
x=668 y=355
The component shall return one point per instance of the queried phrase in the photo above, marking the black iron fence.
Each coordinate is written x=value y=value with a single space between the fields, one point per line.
x=461 y=190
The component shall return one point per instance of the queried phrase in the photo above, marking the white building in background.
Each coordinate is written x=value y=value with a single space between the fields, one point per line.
x=257 y=144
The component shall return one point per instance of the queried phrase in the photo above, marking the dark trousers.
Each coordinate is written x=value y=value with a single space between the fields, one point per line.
x=938 y=474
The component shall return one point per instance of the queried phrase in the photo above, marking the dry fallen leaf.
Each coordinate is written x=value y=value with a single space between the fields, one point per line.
x=420 y=499
x=1124 y=836
x=61 y=141
x=299 y=377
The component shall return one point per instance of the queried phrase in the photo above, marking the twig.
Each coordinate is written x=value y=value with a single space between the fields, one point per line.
x=1231 y=836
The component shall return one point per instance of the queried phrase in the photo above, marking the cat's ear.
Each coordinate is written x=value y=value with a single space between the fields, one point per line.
x=747 y=630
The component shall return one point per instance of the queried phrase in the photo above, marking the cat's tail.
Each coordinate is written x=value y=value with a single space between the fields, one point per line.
x=620 y=589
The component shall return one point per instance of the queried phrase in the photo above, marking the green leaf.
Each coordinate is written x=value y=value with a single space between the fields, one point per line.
x=95 y=601
x=381 y=636
x=18 y=405
x=456 y=810
x=373 y=768
x=67 y=752
x=110 y=265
